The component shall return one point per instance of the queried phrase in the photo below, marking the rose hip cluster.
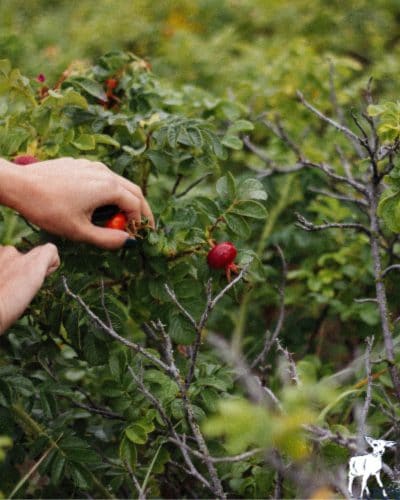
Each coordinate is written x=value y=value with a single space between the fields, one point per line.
x=221 y=256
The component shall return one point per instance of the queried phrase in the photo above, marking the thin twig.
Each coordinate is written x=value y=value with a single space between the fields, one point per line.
x=367 y=402
x=228 y=459
x=342 y=128
x=390 y=268
x=306 y=225
x=269 y=340
x=112 y=333
x=193 y=185
x=292 y=370
x=339 y=196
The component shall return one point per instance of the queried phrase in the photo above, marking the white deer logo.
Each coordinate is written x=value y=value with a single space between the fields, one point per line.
x=368 y=465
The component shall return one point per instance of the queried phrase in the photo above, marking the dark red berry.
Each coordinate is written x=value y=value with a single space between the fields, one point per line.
x=41 y=78
x=221 y=255
x=25 y=159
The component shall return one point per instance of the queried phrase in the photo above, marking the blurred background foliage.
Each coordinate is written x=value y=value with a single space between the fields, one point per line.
x=255 y=54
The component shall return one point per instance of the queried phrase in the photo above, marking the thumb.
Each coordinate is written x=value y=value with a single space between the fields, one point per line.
x=46 y=256
x=109 y=239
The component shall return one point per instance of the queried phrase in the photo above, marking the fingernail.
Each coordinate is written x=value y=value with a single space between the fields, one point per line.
x=130 y=243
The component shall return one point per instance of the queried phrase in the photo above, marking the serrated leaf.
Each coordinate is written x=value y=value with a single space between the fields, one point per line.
x=91 y=87
x=195 y=137
x=251 y=189
x=106 y=139
x=128 y=452
x=237 y=225
x=232 y=142
x=251 y=209
x=181 y=330
x=81 y=476
x=136 y=434
x=389 y=210
x=172 y=135
x=57 y=468
x=241 y=126
x=85 y=142
x=208 y=206
x=226 y=187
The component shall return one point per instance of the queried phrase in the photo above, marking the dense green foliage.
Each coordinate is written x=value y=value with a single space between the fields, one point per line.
x=212 y=74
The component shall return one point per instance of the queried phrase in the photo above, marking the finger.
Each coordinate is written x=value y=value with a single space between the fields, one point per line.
x=130 y=204
x=145 y=207
x=46 y=256
x=109 y=239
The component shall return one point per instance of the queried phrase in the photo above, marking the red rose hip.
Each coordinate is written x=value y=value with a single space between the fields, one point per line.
x=221 y=255
x=119 y=221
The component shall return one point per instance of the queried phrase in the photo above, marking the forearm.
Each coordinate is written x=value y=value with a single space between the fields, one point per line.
x=12 y=184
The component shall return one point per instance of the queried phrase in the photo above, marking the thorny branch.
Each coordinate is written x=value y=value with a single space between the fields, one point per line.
x=199 y=325
x=367 y=402
x=169 y=354
x=369 y=185
x=269 y=340
x=306 y=225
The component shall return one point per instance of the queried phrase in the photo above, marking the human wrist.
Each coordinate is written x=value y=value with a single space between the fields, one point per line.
x=12 y=180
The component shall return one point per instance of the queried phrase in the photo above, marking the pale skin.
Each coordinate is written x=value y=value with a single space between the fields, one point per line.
x=60 y=197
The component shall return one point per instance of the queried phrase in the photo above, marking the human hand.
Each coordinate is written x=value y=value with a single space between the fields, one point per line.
x=21 y=276
x=61 y=195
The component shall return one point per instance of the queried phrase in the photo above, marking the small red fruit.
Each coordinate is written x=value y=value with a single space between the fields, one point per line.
x=111 y=83
x=119 y=221
x=25 y=160
x=221 y=255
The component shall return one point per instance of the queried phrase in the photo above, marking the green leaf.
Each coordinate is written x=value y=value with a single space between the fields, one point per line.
x=250 y=208
x=237 y=225
x=81 y=476
x=106 y=139
x=57 y=468
x=84 y=142
x=136 y=434
x=181 y=331
x=77 y=450
x=375 y=109
x=128 y=452
x=251 y=189
x=91 y=87
x=172 y=135
x=226 y=187
x=389 y=210
x=232 y=142
x=241 y=126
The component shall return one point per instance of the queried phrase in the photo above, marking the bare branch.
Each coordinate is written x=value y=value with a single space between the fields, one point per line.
x=182 y=446
x=345 y=130
x=306 y=225
x=216 y=483
x=228 y=459
x=193 y=185
x=367 y=402
x=367 y=299
x=186 y=313
x=339 y=196
x=250 y=382
x=269 y=340
x=390 y=268
x=112 y=333
x=290 y=361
